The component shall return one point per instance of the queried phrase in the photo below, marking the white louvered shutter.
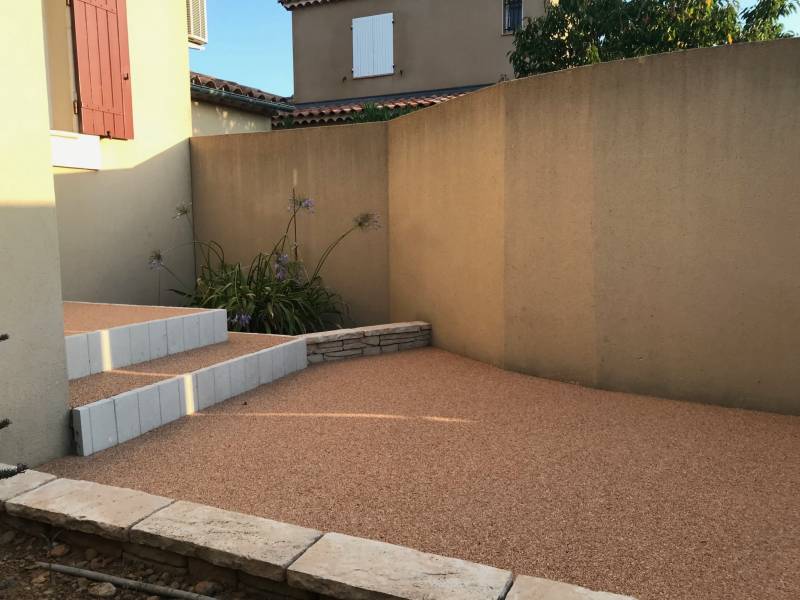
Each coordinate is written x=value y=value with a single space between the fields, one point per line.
x=373 y=45
x=196 y=21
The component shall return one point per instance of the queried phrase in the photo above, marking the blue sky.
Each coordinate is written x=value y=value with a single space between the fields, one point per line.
x=250 y=41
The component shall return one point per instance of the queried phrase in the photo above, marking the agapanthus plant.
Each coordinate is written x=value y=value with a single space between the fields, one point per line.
x=276 y=293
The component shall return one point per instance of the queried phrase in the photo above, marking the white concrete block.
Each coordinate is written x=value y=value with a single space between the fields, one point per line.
x=204 y=391
x=265 y=361
x=191 y=332
x=251 y=377
x=127 y=408
x=222 y=382
x=238 y=382
x=120 y=342
x=300 y=353
x=220 y=326
x=169 y=397
x=206 y=328
x=104 y=424
x=77 y=356
x=175 y=342
x=279 y=360
x=95 y=352
x=82 y=430
x=140 y=343
x=157 y=330
x=189 y=403
x=149 y=408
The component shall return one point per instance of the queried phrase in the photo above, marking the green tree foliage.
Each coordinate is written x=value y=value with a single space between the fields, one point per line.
x=573 y=33
x=372 y=112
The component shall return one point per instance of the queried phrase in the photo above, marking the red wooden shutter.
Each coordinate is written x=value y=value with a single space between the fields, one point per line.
x=101 y=56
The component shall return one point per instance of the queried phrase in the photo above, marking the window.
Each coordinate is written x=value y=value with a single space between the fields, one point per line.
x=512 y=16
x=373 y=46
x=196 y=23
x=100 y=29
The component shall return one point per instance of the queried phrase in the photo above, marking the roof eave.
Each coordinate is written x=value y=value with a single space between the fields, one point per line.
x=255 y=105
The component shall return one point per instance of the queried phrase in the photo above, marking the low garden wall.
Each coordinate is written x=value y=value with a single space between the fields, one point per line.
x=277 y=560
x=366 y=341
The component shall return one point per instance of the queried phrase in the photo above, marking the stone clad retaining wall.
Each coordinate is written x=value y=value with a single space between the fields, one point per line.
x=366 y=341
x=277 y=560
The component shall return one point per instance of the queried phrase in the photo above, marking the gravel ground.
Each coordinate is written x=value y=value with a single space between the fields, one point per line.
x=104 y=385
x=21 y=579
x=80 y=317
x=643 y=496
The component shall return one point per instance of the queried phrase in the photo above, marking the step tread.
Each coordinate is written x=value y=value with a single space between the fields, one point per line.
x=83 y=317
x=110 y=383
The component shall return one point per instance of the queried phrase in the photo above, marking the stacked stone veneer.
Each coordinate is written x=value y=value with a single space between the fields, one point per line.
x=366 y=341
x=276 y=560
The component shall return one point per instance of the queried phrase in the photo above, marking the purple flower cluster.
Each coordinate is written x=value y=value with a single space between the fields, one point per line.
x=156 y=260
x=241 y=319
x=281 y=267
x=297 y=204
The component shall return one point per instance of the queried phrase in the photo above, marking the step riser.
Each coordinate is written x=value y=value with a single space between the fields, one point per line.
x=112 y=421
x=98 y=351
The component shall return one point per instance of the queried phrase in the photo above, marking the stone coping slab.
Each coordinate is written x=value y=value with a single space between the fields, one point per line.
x=257 y=546
x=535 y=588
x=86 y=506
x=351 y=568
x=19 y=484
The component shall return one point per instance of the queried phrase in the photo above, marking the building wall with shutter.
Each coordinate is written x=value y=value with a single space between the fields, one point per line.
x=436 y=44
x=109 y=221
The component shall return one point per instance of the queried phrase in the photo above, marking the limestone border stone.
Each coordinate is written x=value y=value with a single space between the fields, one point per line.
x=86 y=506
x=254 y=545
x=351 y=568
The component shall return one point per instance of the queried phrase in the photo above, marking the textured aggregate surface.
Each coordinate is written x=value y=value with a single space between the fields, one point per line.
x=80 y=317
x=643 y=496
x=104 y=385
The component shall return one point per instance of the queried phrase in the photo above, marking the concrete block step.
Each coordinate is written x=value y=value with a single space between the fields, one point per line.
x=127 y=335
x=100 y=421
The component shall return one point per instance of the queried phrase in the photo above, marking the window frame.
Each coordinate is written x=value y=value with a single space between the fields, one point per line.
x=505 y=7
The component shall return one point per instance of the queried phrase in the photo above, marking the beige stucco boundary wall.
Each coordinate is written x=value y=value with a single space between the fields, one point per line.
x=242 y=183
x=629 y=226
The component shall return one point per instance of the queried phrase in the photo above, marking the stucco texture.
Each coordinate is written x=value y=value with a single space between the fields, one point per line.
x=242 y=185
x=214 y=119
x=33 y=378
x=109 y=221
x=629 y=226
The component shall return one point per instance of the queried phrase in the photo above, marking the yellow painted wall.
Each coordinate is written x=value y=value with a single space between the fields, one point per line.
x=213 y=119
x=33 y=379
x=242 y=184
x=111 y=220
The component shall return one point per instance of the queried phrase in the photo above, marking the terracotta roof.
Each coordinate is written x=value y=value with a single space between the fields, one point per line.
x=215 y=83
x=344 y=111
x=292 y=4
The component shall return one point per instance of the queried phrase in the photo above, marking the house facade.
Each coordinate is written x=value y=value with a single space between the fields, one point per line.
x=353 y=51
x=220 y=107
